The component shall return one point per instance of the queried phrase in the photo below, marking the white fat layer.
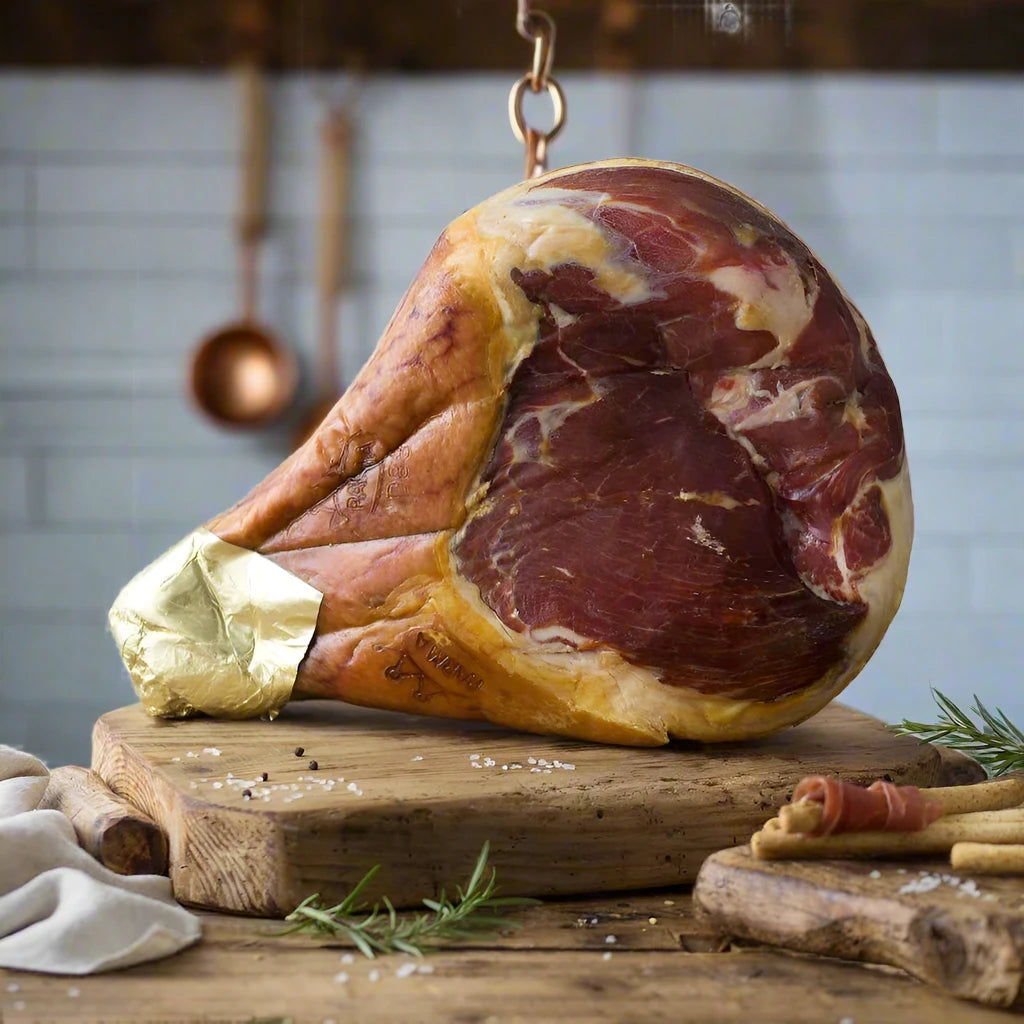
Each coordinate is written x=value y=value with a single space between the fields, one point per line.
x=563 y=635
x=549 y=419
x=772 y=298
x=717 y=498
x=561 y=317
x=787 y=404
x=703 y=536
x=548 y=233
x=880 y=588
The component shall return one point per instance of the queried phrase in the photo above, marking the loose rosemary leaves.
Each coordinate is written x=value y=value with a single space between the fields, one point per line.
x=383 y=930
x=993 y=741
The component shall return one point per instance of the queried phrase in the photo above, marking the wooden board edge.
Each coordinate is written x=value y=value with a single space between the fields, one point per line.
x=190 y=828
x=958 y=950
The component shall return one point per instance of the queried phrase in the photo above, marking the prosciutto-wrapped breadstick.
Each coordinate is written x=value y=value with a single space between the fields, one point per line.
x=824 y=806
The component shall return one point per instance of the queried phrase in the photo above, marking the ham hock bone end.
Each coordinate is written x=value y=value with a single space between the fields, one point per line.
x=626 y=465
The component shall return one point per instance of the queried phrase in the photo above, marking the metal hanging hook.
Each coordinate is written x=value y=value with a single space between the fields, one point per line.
x=539 y=28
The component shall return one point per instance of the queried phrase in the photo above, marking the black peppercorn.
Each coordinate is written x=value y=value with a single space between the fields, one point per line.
x=264 y=776
x=313 y=765
x=247 y=793
x=299 y=751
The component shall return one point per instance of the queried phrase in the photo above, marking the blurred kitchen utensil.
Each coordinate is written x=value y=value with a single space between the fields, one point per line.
x=335 y=144
x=241 y=374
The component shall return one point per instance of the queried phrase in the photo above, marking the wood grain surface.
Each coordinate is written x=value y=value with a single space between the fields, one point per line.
x=558 y=967
x=420 y=796
x=963 y=935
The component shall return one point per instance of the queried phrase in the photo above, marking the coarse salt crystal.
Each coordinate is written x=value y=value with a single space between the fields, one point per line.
x=531 y=760
x=610 y=940
x=211 y=750
x=348 y=958
x=218 y=785
x=668 y=903
x=405 y=970
x=504 y=767
x=341 y=977
x=74 y=992
x=489 y=762
x=515 y=764
x=175 y=758
x=474 y=757
x=418 y=757
x=541 y=761
x=191 y=753
x=374 y=975
x=569 y=767
x=547 y=771
x=606 y=956
x=875 y=874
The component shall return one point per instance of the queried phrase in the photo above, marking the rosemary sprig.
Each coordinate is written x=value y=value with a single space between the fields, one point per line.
x=995 y=743
x=385 y=931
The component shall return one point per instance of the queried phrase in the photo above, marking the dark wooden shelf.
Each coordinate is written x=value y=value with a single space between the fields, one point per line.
x=475 y=35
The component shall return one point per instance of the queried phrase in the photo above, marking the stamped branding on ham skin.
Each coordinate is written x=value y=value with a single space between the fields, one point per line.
x=408 y=667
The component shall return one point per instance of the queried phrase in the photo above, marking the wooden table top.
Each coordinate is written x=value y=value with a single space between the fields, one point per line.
x=620 y=958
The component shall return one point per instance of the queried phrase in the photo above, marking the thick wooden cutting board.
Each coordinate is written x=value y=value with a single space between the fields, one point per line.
x=421 y=795
x=964 y=935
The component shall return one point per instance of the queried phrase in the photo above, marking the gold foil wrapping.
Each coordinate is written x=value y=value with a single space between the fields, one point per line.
x=213 y=628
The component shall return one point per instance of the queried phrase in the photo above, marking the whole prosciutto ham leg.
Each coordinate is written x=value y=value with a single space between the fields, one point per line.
x=625 y=465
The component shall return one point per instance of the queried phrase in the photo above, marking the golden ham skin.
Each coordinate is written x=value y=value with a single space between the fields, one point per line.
x=403 y=479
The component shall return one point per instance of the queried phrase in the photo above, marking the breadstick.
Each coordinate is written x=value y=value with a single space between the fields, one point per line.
x=805 y=815
x=772 y=843
x=988 y=858
x=982 y=796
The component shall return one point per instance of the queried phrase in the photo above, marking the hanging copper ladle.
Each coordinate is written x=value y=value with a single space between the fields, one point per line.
x=241 y=374
x=335 y=142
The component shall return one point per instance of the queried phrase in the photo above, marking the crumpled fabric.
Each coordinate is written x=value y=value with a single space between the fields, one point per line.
x=61 y=911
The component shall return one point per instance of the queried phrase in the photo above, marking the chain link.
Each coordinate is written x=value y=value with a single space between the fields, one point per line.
x=537 y=27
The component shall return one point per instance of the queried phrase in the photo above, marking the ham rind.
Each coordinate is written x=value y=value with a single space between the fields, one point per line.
x=626 y=465
x=881 y=807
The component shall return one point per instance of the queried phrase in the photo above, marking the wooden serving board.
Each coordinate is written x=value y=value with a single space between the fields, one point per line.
x=964 y=935
x=421 y=795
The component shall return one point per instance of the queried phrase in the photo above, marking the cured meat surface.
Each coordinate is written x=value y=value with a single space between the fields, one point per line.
x=625 y=465
x=880 y=807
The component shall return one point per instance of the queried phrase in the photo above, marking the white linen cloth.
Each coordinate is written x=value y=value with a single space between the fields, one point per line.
x=61 y=911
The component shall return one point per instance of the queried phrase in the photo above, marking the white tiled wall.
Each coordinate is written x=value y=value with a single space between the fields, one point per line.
x=116 y=197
